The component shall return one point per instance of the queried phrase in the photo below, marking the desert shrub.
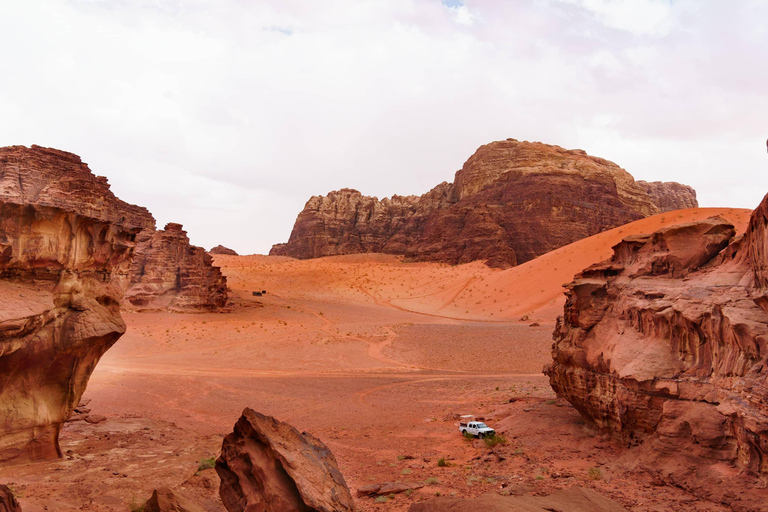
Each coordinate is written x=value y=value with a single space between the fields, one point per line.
x=492 y=441
x=381 y=499
x=406 y=471
x=595 y=473
x=206 y=463
x=539 y=477
x=441 y=462
x=467 y=435
x=136 y=505
x=432 y=481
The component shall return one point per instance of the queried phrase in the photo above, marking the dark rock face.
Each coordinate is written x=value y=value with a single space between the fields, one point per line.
x=220 y=249
x=512 y=201
x=270 y=466
x=49 y=177
x=62 y=276
x=169 y=273
x=575 y=499
x=665 y=345
x=8 y=501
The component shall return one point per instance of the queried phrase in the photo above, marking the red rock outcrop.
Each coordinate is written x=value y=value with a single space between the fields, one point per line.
x=575 y=499
x=183 y=279
x=270 y=466
x=62 y=276
x=220 y=249
x=169 y=273
x=511 y=201
x=165 y=500
x=665 y=345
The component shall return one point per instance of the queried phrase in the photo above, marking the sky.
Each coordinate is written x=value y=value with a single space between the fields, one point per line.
x=228 y=115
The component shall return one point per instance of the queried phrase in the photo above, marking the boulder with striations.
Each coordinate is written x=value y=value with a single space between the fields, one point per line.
x=511 y=202
x=270 y=466
x=664 y=346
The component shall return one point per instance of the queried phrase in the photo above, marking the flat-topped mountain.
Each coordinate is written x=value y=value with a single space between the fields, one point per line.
x=511 y=202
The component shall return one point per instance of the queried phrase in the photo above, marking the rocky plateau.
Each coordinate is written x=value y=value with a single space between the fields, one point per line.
x=664 y=346
x=511 y=202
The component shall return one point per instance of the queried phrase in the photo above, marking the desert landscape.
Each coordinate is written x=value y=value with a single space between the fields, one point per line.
x=378 y=357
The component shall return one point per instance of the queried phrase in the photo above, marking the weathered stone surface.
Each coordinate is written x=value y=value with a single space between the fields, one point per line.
x=165 y=500
x=270 y=466
x=386 y=488
x=664 y=346
x=511 y=201
x=169 y=273
x=8 y=501
x=62 y=277
x=220 y=249
x=575 y=499
x=669 y=196
x=49 y=177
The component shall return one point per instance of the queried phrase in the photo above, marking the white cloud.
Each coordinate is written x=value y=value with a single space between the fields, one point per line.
x=227 y=115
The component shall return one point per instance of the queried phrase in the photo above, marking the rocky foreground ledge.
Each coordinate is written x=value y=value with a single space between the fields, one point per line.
x=664 y=346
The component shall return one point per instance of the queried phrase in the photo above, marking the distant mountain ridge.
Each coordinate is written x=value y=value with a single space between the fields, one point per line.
x=511 y=202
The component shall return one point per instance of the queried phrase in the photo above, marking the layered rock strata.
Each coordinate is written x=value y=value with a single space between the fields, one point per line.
x=183 y=278
x=270 y=466
x=664 y=346
x=510 y=202
x=62 y=276
x=170 y=273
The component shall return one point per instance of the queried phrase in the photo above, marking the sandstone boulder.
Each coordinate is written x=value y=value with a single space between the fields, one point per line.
x=270 y=466
x=511 y=202
x=575 y=499
x=664 y=346
x=220 y=249
x=165 y=500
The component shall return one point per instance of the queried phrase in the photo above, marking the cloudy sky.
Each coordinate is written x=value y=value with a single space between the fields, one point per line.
x=227 y=115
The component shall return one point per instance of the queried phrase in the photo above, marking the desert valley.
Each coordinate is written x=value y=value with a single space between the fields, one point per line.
x=611 y=331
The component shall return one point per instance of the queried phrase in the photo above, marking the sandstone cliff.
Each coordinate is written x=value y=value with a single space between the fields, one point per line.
x=183 y=278
x=62 y=277
x=169 y=273
x=665 y=345
x=510 y=202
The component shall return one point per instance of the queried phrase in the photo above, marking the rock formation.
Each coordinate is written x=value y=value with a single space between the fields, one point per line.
x=183 y=279
x=165 y=500
x=270 y=466
x=665 y=345
x=169 y=273
x=62 y=276
x=220 y=249
x=575 y=499
x=511 y=201
x=8 y=501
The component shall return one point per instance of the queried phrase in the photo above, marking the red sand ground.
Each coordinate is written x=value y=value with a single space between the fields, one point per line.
x=374 y=356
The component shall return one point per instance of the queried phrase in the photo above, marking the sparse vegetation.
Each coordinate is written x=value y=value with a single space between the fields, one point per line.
x=432 y=481
x=595 y=473
x=441 y=462
x=539 y=477
x=492 y=441
x=467 y=435
x=406 y=471
x=207 y=463
x=136 y=505
x=550 y=402
x=381 y=499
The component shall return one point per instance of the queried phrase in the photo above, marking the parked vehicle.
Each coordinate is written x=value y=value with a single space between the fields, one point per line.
x=477 y=429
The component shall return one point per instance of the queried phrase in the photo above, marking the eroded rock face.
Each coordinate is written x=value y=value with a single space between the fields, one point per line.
x=665 y=344
x=165 y=500
x=49 y=177
x=220 y=249
x=270 y=466
x=62 y=276
x=575 y=499
x=511 y=201
x=8 y=501
x=169 y=273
